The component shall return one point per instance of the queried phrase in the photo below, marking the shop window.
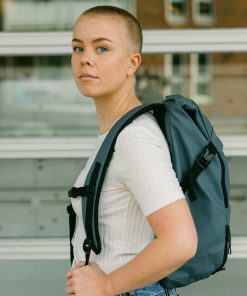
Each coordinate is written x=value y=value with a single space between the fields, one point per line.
x=48 y=15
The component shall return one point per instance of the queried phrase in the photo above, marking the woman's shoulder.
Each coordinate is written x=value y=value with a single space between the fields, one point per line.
x=143 y=128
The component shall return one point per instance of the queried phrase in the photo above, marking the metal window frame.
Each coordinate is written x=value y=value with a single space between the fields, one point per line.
x=36 y=148
x=58 y=249
x=155 y=41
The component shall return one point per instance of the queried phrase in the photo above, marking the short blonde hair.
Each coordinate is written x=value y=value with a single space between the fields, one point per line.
x=133 y=26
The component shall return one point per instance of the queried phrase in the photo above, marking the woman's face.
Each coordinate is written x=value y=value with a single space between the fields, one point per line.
x=101 y=64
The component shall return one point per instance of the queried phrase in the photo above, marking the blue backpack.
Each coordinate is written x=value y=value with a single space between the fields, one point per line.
x=201 y=168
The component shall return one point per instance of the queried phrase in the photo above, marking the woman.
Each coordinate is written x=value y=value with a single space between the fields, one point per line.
x=141 y=198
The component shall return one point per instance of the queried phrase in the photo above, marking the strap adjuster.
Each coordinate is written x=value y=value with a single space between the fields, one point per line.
x=81 y=191
x=206 y=156
x=87 y=247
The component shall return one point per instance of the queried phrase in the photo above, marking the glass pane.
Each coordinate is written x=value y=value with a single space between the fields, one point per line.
x=209 y=14
x=177 y=64
x=203 y=63
x=42 y=15
x=237 y=166
x=178 y=7
x=21 y=15
x=220 y=89
x=177 y=88
x=38 y=97
x=203 y=89
x=33 y=196
x=205 y=8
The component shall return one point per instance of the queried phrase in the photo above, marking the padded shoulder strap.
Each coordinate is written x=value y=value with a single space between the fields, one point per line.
x=97 y=172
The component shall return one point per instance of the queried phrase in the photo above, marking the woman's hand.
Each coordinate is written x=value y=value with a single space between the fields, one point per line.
x=87 y=280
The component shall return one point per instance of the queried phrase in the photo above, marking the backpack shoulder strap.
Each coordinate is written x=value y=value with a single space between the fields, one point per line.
x=96 y=174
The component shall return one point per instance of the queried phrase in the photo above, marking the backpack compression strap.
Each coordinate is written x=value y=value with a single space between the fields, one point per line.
x=200 y=165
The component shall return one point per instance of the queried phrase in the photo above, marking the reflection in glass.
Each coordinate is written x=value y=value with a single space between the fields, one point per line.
x=205 y=8
x=33 y=196
x=47 y=15
x=38 y=96
x=177 y=64
x=35 y=190
x=203 y=12
x=238 y=194
x=203 y=63
x=216 y=82
x=178 y=7
x=176 y=11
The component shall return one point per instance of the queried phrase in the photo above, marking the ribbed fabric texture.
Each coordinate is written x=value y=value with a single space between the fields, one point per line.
x=139 y=181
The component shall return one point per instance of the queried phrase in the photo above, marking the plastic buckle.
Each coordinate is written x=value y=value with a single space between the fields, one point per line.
x=73 y=192
x=205 y=158
x=87 y=247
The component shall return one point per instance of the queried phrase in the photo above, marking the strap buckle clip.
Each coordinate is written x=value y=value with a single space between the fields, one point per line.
x=206 y=157
x=82 y=191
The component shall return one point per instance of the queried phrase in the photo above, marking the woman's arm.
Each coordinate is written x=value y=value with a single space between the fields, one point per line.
x=175 y=243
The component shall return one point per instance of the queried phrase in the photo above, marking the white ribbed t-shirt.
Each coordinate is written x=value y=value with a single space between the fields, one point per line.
x=139 y=180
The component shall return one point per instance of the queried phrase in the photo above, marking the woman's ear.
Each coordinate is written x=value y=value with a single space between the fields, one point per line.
x=134 y=63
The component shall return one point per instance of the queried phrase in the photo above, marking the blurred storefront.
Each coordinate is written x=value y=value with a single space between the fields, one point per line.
x=47 y=129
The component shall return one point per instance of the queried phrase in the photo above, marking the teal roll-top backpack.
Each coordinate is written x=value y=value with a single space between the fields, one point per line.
x=201 y=168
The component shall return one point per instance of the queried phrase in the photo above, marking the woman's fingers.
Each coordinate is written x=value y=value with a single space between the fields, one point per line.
x=80 y=264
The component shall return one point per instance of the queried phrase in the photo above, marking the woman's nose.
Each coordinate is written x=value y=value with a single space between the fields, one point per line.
x=86 y=59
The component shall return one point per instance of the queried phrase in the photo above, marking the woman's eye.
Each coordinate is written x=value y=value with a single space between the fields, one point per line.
x=78 y=49
x=102 y=49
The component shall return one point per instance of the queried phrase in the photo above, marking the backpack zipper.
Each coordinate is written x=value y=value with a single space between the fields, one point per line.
x=227 y=250
x=223 y=181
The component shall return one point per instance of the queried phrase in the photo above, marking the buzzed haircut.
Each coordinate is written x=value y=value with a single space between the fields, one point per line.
x=133 y=26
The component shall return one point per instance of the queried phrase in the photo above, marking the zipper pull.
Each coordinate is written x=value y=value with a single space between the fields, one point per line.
x=87 y=247
x=229 y=248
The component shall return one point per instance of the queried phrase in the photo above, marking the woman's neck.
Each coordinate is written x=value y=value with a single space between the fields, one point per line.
x=109 y=109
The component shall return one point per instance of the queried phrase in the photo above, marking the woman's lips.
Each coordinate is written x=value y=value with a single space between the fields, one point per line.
x=87 y=77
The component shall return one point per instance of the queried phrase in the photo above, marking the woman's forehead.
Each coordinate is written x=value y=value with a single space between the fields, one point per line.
x=100 y=24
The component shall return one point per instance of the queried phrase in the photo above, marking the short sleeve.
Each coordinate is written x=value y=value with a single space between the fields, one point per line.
x=145 y=166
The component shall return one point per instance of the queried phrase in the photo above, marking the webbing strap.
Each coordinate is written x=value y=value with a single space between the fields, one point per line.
x=72 y=223
x=96 y=174
x=200 y=165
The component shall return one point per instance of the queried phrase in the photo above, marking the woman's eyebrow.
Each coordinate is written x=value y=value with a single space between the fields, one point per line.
x=77 y=40
x=102 y=39
x=94 y=41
